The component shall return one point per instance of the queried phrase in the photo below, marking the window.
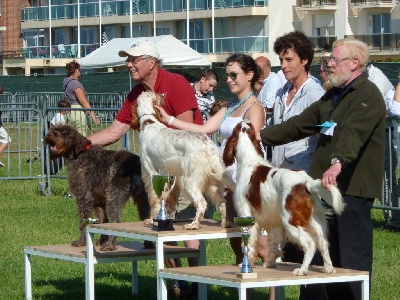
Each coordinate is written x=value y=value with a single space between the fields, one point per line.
x=58 y=36
x=323 y=25
x=162 y=31
x=87 y=35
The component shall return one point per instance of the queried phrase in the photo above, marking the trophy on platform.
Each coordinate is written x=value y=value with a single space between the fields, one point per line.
x=162 y=185
x=245 y=223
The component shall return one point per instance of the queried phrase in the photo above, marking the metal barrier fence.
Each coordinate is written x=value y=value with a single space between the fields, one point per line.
x=27 y=117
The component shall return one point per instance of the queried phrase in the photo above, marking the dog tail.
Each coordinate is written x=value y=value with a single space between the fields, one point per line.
x=333 y=197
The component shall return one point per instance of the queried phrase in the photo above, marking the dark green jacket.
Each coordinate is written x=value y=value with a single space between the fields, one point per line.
x=358 y=138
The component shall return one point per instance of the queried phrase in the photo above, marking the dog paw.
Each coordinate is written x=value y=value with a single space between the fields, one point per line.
x=107 y=247
x=329 y=269
x=300 y=272
x=270 y=265
x=148 y=245
x=78 y=243
x=190 y=227
x=148 y=222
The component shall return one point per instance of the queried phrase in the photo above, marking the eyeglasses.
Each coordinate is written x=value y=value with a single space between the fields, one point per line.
x=232 y=75
x=334 y=61
x=134 y=61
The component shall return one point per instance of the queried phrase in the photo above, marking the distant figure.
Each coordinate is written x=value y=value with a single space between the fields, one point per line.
x=4 y=137
x=270 y=85
x=326 y=84
x=76 y=95
x=59 y=119
x=203 y=90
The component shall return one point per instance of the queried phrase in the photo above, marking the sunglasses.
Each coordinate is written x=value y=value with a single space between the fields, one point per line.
x=134 y=61
x=232 y=75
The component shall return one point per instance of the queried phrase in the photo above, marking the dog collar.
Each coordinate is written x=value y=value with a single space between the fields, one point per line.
x=88 y=146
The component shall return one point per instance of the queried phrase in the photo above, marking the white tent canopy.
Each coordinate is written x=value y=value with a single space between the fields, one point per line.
x=172 y=53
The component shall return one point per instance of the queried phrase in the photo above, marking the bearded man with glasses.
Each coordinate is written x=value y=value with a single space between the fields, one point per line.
x=350 y=120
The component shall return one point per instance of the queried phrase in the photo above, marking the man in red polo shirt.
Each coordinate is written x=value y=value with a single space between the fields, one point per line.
x=144 y=65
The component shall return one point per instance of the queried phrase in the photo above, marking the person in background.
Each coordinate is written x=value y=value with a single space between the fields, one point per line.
x=241 y=75
x=203 y=90
x=326 y=84
x=76 y=95
x=296 y=53
x=59 y=119
x=271 y=84
x=4 y=138
x=144 y=65
x=391 y=157
x=350 y=119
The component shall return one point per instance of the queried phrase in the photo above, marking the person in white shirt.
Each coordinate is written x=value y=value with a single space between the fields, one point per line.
x=270 y=85
x=59 y=119
x=390 y=188
x=203 y=91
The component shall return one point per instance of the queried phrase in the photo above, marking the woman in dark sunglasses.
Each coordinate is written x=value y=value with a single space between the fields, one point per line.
x=241 y=75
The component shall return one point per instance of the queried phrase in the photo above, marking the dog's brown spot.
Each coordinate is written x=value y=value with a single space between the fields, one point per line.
x=254 y=194
x=252 y=136
x=300 y=205
x=147 y=122
x=135 y=124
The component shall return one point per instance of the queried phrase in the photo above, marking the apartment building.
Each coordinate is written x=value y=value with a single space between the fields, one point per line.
x=52 y=32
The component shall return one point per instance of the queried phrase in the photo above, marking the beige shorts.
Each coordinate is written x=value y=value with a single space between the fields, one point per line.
x=186 y=210
x=4 y=137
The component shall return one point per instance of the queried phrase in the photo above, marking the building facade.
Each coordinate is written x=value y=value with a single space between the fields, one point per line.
x=45 y=34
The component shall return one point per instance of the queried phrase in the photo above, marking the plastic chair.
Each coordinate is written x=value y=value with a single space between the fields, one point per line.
x=61 y=50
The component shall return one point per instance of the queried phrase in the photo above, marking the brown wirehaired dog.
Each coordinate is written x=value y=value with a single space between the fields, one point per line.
x=286 y=203
x=101 y=180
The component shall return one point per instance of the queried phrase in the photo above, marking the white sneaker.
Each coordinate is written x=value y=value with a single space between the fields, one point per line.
x=1 y=164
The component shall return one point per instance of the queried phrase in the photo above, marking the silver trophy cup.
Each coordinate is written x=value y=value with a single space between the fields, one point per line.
x=245 y=223
x=162 y=185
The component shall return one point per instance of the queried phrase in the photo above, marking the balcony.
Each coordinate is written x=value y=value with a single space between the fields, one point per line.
x=372 y=3
x=67 y=51
x=311 y=3
x=323 y=43
x=122 y=8
x=225 y=45
x=381 y=41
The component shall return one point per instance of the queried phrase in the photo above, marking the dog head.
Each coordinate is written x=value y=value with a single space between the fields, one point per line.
x=65 y=141
x=145 y=107
x=242 y=131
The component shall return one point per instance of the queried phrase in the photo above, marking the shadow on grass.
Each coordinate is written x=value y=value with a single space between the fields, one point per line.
x=74 y=288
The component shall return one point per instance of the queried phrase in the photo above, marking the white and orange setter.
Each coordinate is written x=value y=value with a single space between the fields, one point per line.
x=286 y=203
x=192 y=157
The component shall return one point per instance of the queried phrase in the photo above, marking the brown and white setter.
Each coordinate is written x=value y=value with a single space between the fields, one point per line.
x=286 y=203
x=192 y=157
x=101 y=180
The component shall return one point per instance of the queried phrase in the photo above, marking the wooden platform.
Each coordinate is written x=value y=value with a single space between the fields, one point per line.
x=123 y=249
x=132 y=251
x=279 y=276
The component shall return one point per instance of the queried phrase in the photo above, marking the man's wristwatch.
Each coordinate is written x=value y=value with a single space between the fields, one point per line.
x=337 y=160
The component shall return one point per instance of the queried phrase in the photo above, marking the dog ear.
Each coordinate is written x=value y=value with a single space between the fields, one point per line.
x=135 y=124
x=252 y=135
x=159 y=100
x=229 y=151
x=81 y=144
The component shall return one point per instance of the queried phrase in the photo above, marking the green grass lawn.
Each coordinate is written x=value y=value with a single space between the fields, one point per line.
x=27 y=218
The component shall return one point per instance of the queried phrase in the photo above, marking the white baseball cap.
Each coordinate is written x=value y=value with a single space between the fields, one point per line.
x=141 y=48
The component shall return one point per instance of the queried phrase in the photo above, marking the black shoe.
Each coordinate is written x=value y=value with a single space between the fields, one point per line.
x=391 y=227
